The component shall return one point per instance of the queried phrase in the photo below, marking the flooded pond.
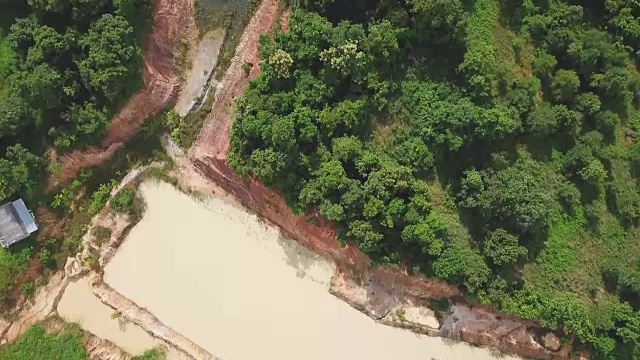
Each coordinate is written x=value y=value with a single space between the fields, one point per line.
x=79 y=305
x=233 y=285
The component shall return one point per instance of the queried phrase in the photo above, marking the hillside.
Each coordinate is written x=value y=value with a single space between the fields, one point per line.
x=490 y=144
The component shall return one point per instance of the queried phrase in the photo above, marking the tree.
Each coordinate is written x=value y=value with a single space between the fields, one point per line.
x=110 y=45
x=462 y=266
x=13 y=115
x=588 y=103
x=503 y=248
x=21 y=35
x=41 y=87
x=48 y=46
x=382 y=39
x=414 y=153
x=331 y=211
x=543 y=65
x=346 y=148
x=267 y=164
x=594 y=174
x=431 y=234
x=440 y=19
x=346 y=115
x=346 y=59
x=542 y=121
x=83 y=125
x=523 y=95
x=626 y=196
x=283 y=134
x=330 y=177
x=368 y=239
x=514 y=197
x=281 y=63
x=49 y=5
x=564 y=86
x=20 y=171
x=83 y=10
x=624 y=16
x=613 y=85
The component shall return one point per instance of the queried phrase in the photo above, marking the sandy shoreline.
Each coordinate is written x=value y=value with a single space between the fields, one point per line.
x=233 y=285
x=79 y=305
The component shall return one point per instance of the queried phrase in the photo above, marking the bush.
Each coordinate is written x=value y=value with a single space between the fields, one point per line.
x=29 y=288
x=123 y=201
x=37 y=344
x=100 y=197
x=45 y=256
x=101 y=234
x=158 y=353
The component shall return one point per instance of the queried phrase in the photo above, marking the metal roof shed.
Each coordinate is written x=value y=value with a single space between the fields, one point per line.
x=16 y=223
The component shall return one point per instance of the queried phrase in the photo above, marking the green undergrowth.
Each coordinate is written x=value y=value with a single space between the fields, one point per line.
x=76 y=203
x=35 y=343
x=67 y=344
x=489 y=144
x=158 y=353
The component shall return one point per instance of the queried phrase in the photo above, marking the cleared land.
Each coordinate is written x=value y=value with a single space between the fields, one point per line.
x=233 y=285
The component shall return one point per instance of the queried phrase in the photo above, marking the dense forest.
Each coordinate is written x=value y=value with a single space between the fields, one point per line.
x=492 y=144
x=66 y=67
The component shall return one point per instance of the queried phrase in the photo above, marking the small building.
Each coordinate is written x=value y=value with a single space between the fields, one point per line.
x=16 y=223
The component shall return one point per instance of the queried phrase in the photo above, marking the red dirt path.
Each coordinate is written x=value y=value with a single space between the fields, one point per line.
x=173 y=22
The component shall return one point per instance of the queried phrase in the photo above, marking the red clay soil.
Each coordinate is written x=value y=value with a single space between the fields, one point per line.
x=173 y=22
x=213 y=139
x=209 y=153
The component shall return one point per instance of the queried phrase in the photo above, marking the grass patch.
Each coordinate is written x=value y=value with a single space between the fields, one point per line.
x=514 y=54
x=158 y=353
x=37 y=344
x=551 y=269
x=101 y=234
x=8 y=63
x=13 y=262
x=186 y=130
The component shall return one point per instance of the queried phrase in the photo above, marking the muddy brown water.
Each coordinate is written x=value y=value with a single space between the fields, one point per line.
x=79 y=305
x=233 y=285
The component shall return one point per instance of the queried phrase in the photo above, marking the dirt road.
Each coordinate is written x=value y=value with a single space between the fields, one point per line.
x=213 y=140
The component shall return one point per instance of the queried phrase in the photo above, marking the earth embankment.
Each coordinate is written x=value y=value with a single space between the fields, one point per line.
x=388 y=288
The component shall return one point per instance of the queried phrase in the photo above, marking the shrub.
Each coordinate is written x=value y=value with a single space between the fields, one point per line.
x=101 y=234
x=100 y=197
x=27 y=289
x=158 y=353
x=123 y=201
x=37 y=344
